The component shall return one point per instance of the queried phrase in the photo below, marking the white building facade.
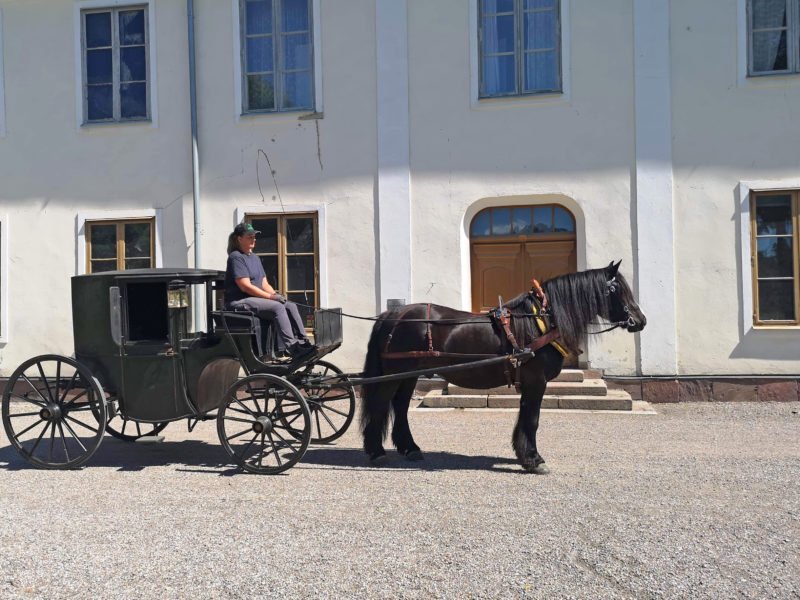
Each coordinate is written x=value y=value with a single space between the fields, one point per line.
x=417 y=151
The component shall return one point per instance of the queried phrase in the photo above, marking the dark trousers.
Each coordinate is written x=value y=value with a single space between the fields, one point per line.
x=286 y=318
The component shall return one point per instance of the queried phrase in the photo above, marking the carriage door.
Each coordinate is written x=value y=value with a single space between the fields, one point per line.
x=511 y=245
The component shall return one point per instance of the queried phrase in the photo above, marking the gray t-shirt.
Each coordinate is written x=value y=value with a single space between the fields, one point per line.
x=242 y=265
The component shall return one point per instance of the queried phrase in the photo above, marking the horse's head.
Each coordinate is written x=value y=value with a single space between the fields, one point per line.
x=622 y=306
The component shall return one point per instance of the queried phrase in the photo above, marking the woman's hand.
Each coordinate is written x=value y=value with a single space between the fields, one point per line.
x=278 y=298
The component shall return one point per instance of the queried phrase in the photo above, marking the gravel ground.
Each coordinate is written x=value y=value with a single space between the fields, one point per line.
x=698 y=501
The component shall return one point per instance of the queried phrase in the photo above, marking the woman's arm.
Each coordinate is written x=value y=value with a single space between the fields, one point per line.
x=251 y=290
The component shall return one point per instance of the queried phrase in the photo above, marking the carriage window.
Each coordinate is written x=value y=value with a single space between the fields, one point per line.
x=520 y=47
x=115 y=65
x=288 y=249
x=147 y=311
x=773 y=31
x=522 y=220
x=277 y=56
x=775 y=258
x=119 y=245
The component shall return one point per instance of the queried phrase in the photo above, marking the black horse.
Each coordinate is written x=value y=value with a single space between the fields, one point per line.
x=422 y=336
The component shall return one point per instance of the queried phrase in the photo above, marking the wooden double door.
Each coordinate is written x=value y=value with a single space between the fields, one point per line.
x=506 y=268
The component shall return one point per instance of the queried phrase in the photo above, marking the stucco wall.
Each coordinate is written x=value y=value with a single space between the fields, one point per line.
x=576 y=150
x=726 y=130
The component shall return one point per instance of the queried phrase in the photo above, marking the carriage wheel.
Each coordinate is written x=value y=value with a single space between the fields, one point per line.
x=332 y=405
x=264 y=424
x=49 y=409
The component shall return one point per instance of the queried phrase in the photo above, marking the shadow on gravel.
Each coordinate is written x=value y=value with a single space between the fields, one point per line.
x=352 y=458
x=201 y=457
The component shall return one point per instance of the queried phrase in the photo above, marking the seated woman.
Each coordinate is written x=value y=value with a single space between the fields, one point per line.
x=246 y=285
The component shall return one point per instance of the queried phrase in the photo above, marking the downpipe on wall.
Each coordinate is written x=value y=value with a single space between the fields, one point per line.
x=199 y=299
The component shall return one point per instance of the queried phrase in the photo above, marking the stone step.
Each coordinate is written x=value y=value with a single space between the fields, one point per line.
x=587 y=387
x=574 y=375
x=615 y=400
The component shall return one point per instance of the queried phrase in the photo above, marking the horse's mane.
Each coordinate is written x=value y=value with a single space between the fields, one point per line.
x=576 y=300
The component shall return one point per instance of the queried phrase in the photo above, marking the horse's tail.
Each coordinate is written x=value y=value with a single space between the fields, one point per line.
x=374 y=417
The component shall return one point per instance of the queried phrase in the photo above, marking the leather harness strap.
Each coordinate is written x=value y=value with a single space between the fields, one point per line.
x=504 y=317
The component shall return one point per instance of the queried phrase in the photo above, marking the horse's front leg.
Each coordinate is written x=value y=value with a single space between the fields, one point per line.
x=524 y=439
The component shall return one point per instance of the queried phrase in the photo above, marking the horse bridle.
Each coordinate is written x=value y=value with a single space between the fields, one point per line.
x=611 y=288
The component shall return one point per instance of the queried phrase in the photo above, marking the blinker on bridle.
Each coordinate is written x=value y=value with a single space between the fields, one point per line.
x=611 y=288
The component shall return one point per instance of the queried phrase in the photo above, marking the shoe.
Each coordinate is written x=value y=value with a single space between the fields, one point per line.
x=299 y=350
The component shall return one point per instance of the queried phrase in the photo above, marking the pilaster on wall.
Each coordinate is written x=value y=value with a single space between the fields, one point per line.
x=654 y=187
x=394 y=176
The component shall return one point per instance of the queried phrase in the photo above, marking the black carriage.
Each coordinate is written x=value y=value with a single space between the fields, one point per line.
x=139 y=365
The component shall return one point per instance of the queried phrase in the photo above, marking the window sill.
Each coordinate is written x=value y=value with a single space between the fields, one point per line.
x=770 y=81
x=299 y=115
x=101 y=125
x=788 y=327
x=522 y=100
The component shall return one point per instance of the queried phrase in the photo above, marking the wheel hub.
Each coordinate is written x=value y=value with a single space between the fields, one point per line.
x=262 y=425
x=51 y=412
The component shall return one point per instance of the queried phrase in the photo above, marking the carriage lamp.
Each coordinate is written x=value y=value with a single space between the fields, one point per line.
x=177 y=294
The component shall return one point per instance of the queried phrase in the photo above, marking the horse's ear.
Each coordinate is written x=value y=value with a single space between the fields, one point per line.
x=612 y=268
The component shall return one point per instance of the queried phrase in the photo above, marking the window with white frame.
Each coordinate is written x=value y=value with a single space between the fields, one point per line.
x=115 y=64
x=118 y=245
x=520 y=47
x=773 y=32
x=776 y=258
x=277 y=55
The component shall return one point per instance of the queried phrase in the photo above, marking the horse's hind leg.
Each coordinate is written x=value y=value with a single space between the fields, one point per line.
x=375 y=418
x=401 y=431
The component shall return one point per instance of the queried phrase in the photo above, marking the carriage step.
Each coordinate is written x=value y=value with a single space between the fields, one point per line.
x=614 y=400
x=587 y=387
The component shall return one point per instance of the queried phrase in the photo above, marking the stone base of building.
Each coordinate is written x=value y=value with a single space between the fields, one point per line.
x=687 y=389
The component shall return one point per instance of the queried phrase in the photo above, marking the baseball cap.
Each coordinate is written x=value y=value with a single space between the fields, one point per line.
x=245 y=229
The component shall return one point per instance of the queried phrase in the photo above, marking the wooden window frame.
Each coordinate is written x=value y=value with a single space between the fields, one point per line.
x=115 y=64
x=283 y=253
x=120 y=224
x=792 y=40
x=520 y=51
x=277 y=35
x=795 y=195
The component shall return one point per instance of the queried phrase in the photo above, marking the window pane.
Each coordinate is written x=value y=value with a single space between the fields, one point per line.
x=543 y=219
x=131 y=27
x=104 y=241
x=300 y=235
x=295 y=15
x=98 y=66
x=563 y=221
x=540 y=30
x=259 y=16
x=521 y=221
x=480 y=224
x=137 y=240
x=309 y=299
x=270 y=264
x=137 y=263
x=98 y=30
x=769 y=14
x=259 y=54
x=100 y=103
x=297 y=90
x=267 y=240
x=541 y=71
x=260 y=92
x=498 y=75
x=498 y=34
x=297 y=51
x=133 y=100
x=300 y=272
x=769 y=51
x=501 y=221
x=100 y=266
x=775 y=257
x=774 y=215
x=776 y=300
x=531 y=4
x=498 y=6
x=132 y=65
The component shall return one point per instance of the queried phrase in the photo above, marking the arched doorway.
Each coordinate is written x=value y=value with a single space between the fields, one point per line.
x=511 y=244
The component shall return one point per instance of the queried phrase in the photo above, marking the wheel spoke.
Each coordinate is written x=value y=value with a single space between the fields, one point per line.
x=284 y=440
x=275 y=450
x=58 y=378
x=324 y=398
x=124 y=425
x=39 y=439
x=52 y=441
x=69 y=387
x=238 y=420
x=76 y=398
x=326 y=418
x=323 y=406
x=249 y=412
x=319 y=427
x=46 y=383
x=80 y=408
x=31 y=400
x=27 y=429
x=236 y=435
x=34 y=388
x=246 y=448
x=63 y=440
x=81 y=423
x=72 y=433
x=236 y=410
x=138 y=429
x=23 y=414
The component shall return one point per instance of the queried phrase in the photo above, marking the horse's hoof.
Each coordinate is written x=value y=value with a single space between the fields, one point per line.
x=376 y=460
x=415 y=455
x=536 y=469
